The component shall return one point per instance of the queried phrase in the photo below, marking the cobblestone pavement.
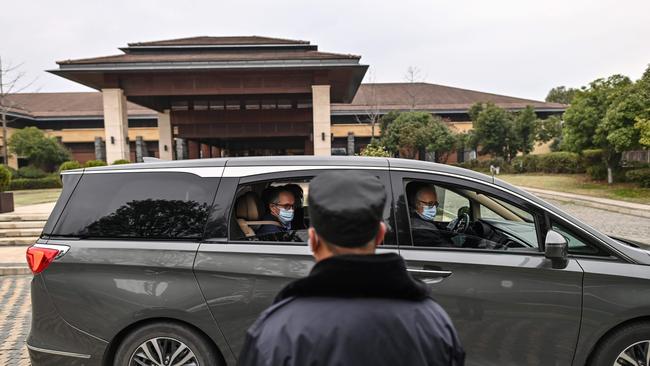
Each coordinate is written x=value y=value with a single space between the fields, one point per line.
x=15 y=294
x=610 y=223
x=15 y=319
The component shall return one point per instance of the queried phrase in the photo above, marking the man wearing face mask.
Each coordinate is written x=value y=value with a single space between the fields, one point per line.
x=280 y=209
x=424 y=205
x=355 y=307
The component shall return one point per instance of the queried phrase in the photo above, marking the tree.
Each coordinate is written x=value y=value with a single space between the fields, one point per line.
x=561 y=94
x=413 y=76
x=643 y=125
x=599 y=117
x=374 y=149
x=10 y=78
x=42 y=151
x=525 y=130
x=494 y=131
x=549 y=129
x=411 y=132
x=386 y=120
x=372 y=112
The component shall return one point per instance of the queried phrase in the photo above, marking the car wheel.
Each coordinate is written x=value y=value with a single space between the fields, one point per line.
x=165 y=344
x=627 y=346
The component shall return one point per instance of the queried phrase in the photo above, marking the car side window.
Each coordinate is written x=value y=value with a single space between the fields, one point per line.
x=456 y=217
x=142 y=205
x=271 y=210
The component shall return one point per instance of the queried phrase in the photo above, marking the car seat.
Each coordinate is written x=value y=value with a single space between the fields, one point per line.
x=248 y=212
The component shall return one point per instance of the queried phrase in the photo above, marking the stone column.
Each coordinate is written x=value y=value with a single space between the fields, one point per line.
x=322 y=123
x=140 y=149
x=350 y=143
x=100 y=149
x=181 y=149
x=116 y=125
x=165 y=136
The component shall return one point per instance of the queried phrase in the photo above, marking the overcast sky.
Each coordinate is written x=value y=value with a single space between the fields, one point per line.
x=520 y=48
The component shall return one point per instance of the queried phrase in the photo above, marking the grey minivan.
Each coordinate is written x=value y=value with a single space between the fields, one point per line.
x=159 y=263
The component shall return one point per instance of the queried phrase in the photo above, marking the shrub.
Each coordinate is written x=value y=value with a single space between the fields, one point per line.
x=121 y=161
x=374 y=149
x=639 y=176
x=526 y=163
x=70 y=164
x=594 y=162
x=597 y=172
x=50 y=181
x=92 y=163
x=559 y=162
x=5 y=178
x=31 y=172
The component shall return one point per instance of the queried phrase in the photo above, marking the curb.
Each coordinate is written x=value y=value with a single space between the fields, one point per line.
x=14 y=270
x=632 y=209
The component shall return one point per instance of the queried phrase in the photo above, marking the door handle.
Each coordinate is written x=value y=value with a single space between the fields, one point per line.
x=429 y=276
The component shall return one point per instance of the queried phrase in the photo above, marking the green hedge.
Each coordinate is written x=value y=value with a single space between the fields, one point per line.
x=5 y=178
x=639 y=176
x=50 y=181
x=560 y=162
x=31 y=172
x=92 y=163
x=70 y=164
x=121 y=161
x=526 y=163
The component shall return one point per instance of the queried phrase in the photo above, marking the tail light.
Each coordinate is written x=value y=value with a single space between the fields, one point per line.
x=39 y=256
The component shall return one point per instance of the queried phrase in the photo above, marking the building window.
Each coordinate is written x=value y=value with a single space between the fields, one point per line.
x=284 y=104
x=269 y=104
x=201 y=105
x=252 y=104
x=233 y=105
x=182 y=105
x=217 y=105
x=305 y=103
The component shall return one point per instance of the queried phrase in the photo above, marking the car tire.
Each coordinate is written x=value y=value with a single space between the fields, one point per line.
x=609 y=350
x=169 y=337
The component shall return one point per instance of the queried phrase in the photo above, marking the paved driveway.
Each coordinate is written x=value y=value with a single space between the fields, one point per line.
x=15 y=319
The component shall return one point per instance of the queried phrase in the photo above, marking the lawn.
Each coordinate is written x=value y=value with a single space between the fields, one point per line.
x=580 y=184
x=35 y=196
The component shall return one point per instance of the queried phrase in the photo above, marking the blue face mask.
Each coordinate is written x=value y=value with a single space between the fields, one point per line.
x=286 y=216
x=428 y=213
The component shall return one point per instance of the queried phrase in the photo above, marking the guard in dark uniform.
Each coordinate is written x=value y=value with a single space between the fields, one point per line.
x=355 y=307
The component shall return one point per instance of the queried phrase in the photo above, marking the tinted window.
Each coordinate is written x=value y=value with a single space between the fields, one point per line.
x=138 y=205
x=576 y=244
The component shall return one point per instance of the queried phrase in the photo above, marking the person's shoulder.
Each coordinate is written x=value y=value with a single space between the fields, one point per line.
x=267 y=314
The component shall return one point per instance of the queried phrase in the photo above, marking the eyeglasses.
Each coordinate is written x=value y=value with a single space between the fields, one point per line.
x=287 y=206
x=428 y=204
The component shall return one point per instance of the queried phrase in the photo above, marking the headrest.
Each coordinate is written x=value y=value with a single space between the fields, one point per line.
x=248 y=207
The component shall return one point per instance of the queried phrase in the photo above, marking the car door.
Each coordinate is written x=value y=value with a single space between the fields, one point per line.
x=509 y=305
x=241 y=277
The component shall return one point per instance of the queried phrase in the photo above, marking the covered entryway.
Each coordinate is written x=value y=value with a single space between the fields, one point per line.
x=223 y=96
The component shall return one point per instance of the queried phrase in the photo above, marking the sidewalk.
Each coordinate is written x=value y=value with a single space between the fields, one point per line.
x=627 y=208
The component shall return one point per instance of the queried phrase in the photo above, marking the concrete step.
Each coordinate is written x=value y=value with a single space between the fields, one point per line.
x=23 y=217
x=20 y=240
x=22 y=224
x=4 y=233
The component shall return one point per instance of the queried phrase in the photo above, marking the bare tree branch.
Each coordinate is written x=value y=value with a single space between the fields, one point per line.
x=413 y=76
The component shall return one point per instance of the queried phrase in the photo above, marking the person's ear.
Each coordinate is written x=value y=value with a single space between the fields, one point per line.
x=314 y=242
x=381 y=233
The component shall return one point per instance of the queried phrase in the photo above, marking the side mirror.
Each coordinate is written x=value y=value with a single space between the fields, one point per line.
x=556 y=249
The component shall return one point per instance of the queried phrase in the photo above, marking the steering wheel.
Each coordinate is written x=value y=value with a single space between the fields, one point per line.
x=462 y=223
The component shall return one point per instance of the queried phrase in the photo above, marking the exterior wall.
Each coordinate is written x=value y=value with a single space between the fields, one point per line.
x=322 y=120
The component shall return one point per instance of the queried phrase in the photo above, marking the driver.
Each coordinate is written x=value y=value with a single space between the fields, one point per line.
x=424 y=203
x=280 y=208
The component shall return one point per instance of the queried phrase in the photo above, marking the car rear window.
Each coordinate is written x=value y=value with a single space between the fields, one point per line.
x=138 y=205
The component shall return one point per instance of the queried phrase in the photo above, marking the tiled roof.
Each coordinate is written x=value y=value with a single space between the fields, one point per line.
x=60 y=105
x=211 y=56
x=219 y=41
x=402 y=96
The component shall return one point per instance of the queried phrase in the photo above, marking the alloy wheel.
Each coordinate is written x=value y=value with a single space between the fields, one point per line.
x=637 y=354
x=163 y=351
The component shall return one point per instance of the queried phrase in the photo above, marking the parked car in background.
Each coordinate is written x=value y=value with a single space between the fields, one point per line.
x=159 y=264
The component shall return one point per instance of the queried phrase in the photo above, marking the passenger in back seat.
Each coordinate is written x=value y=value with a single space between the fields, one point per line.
x=280 y=203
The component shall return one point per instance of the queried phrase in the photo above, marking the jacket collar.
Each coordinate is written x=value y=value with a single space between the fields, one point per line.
x=358 y=276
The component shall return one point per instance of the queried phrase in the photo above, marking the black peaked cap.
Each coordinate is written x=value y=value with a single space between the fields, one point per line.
x=345 y=208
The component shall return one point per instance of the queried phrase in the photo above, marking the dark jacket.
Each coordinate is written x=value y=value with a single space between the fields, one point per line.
x=354 y=310
x=426 y=233
x=271 y=229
